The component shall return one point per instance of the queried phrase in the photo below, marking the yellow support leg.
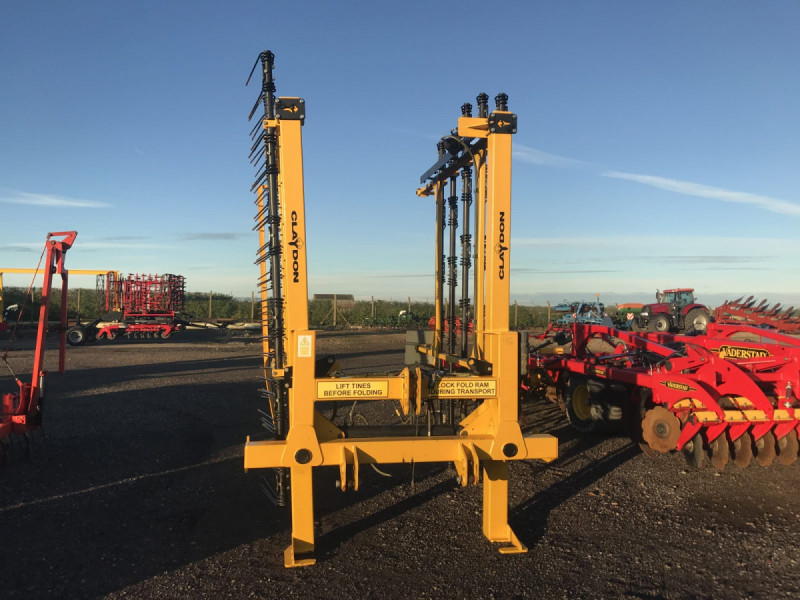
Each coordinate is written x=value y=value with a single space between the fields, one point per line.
x=299 y=553
x=495 y=507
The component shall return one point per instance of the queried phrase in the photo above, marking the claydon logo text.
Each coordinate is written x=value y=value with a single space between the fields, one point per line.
x=500 y=247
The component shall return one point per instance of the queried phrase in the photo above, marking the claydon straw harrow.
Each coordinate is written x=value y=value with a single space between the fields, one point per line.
x=761 y=314
x=458 y=404
x=729 y=394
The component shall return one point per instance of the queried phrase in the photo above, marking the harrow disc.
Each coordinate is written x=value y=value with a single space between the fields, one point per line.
x=647 y=450
x=765 y=449
x=661 y=429
x=743 y=451
x=788 y=448
x=719 y=451
x=693 y=451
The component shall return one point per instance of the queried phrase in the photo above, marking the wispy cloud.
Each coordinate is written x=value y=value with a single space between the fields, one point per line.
x=544 y=159
x=707 y=244
x=561 y=271
x=121 y=238
x=398 y=275
x=707 y=259
x=88 y=245
x=217 y=235
x=30 y=199
x=699 y=190
x=15 y=249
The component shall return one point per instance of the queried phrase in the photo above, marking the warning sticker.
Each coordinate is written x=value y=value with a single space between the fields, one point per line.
x=352 y=389
x=304 y=346
x=466 y=388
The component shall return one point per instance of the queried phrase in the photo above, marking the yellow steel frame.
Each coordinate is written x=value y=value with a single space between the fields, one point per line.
x=490 y=437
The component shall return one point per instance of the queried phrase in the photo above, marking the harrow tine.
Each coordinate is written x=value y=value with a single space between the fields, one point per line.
x=255 y=106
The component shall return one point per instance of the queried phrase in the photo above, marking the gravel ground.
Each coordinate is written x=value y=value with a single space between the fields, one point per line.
x=139 y=492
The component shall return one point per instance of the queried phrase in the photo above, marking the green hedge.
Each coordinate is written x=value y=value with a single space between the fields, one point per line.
x=387 y=313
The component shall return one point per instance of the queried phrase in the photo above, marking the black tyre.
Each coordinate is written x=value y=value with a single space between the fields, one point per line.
x=660 y=323
x=697 y=320
x=76 y=336
x=583 y=405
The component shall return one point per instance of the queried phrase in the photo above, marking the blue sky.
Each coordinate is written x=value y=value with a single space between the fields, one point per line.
x=658 y=143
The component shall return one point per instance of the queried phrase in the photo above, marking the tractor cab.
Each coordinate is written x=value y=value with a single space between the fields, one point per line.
x=678 y=298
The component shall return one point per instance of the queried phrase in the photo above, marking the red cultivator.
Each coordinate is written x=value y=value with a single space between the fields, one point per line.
x=22 y=410
x=715 y=394
x=142 y=306
x=762 y=314
x=137 y=306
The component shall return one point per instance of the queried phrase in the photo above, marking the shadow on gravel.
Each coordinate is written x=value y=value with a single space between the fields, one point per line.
x=138 y=482
x=342 y=355
x=128 y=372
x=529 y=519
x=329 y=542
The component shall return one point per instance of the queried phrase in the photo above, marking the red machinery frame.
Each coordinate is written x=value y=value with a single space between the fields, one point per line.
x=136 y=306
x=714 y=384
x=22 y=411
x=748 y=312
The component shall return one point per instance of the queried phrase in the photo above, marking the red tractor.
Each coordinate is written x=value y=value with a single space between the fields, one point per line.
x=675 y=310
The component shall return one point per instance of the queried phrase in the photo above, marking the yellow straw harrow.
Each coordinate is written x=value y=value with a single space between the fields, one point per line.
x=462 y=397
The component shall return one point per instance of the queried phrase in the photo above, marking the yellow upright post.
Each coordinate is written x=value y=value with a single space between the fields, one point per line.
x=302 y=444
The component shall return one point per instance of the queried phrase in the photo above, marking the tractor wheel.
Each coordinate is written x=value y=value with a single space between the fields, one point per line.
x=585 y=414
x=660 y=323
x=76 y=336
x=697 y=320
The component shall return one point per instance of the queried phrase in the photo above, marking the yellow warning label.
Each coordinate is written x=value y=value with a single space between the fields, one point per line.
x=466 y=388
x=304 y=346
x=353 y=388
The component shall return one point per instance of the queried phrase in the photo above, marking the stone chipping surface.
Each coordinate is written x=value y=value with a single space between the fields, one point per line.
x=139 y=492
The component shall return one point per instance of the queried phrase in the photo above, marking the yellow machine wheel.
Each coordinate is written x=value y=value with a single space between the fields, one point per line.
x=580 y=403
x=584 y=412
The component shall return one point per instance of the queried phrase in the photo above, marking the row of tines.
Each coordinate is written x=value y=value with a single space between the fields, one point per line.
x=263 y=156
